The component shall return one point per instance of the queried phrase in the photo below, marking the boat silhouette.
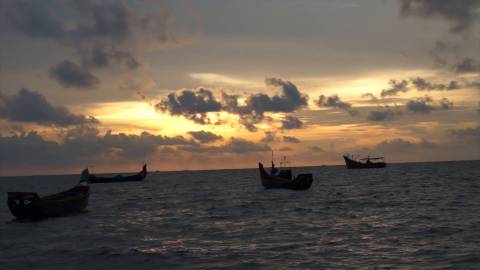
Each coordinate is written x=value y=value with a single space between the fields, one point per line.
x=364 y=163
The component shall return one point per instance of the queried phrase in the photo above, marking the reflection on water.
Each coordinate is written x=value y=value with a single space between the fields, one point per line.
x=406 y=216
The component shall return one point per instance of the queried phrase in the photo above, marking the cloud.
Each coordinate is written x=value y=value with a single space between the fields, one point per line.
x=468 y=65
x=335 y=102
x=445 y=104
x=401 y=145
x=424 y=105
x=32 y=107
x=395 y=88
x=100 y=56
x=461 y=13
x=81 y=146
x=467 y=133
x=69 y=74
x=401 y=149
x=384 y=115
x=441 y=48
x=269 y=137
x=32 y=18
x=285 y=149
x=205 y=136
x=87 y=22
x=291 y=139
x=234 y=145
x=424 y=85
x=291 y=122
x=315 y=149
x=195 y=104
x=104 y=33
x=290 y=99
x=420 y=105
x=474 y=84
x=372 y=97
x=192 y=104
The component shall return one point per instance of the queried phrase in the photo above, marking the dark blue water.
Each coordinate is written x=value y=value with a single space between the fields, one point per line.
x=419 y=216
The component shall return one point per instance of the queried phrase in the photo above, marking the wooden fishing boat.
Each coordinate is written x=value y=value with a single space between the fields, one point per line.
x=364 y=163
x=29 y=205
x=119 y=178
x=284 y=179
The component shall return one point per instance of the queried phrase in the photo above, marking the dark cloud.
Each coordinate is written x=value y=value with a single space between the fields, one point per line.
x=401 y=145
x=386 y=114
x=445 y=104
x=474 y=84
x=269 y=137
x=467 y=65
x=461 y=13
x=467 y=133
x=234 y=145
x=69 y=74
x=422 y=105
x=335 y=102
x=440 y=50
x=423 y=85
x=290 y=99
x=395 y=88
x=285 y=149
x=291 y=122
x=32 y=18
x=105 y=33
x=195 y=104
x=32 y=107
x=81 y=146
x=83 y=22
x=205 y=136
x=291 y=139
x=316 y=149
x=372 y=97
x=444 y=47
x=192 y=104
x=100 y=56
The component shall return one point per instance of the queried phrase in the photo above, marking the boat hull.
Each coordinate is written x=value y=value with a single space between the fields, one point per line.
x=301 y=182
x=28 y=205
x=131 y=178
x=353 y=164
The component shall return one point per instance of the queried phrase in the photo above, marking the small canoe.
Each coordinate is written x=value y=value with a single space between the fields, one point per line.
x=119 y=178
x=29 y=205
x=285 y=180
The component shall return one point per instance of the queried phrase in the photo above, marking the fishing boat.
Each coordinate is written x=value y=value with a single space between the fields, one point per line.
x=364 y=163
x=119 y=178
x=282 y=178
x=29 y=205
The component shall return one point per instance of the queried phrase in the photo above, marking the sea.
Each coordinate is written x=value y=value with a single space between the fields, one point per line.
x=406 y=216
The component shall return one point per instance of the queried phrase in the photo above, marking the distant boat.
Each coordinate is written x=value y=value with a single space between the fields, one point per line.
x=283 y=179
x=364 y=163
x=119 y=178
x=28 y=205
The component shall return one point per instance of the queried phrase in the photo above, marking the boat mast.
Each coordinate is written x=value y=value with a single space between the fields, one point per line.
x=273 y=165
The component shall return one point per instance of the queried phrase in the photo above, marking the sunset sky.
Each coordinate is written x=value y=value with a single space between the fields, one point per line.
x=212 y=84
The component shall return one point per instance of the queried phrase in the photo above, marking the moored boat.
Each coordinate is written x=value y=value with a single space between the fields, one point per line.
x=364 y=163
x=284 y=179
x=119 y=178
x=29 y=205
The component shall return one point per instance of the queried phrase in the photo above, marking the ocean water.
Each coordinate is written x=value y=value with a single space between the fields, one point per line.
x=414 y=216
